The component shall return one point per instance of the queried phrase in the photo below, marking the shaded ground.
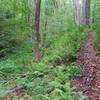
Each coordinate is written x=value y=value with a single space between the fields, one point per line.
x=89 y=64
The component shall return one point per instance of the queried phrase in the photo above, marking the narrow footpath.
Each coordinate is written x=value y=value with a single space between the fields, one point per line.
x=89 y=64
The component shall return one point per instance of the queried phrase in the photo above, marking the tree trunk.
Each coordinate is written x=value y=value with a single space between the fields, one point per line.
x=87 y=12
x=82 y=13
x=36 y=34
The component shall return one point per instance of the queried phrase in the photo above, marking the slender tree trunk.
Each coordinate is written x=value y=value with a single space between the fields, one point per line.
x=87 y=10
x=36 y=34
x=43 y=41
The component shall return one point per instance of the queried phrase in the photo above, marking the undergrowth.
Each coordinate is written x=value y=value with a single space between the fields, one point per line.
x=50 y=78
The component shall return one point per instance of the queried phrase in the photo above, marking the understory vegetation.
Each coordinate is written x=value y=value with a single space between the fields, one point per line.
x=50 y=78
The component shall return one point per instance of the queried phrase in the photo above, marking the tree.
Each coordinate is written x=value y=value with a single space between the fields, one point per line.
x=82 y=14
x=36 y=34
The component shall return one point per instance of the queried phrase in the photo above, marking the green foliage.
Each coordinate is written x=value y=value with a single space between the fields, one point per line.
x=50 y=78
x=47 y=83
x=97 y=35
x=64 y=47
x=11 y=26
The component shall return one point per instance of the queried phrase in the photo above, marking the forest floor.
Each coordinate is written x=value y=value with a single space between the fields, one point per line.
x=89 y=63
x=89 y=82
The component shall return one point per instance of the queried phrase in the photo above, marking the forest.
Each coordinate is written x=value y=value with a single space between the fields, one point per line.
x=49 y=49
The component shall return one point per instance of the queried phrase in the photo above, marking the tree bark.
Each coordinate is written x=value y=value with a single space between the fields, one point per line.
x=36 y=34
x=82 y=13
x=87 y=12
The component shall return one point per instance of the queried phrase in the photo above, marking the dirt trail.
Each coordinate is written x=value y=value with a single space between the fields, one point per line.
x=89 y=63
